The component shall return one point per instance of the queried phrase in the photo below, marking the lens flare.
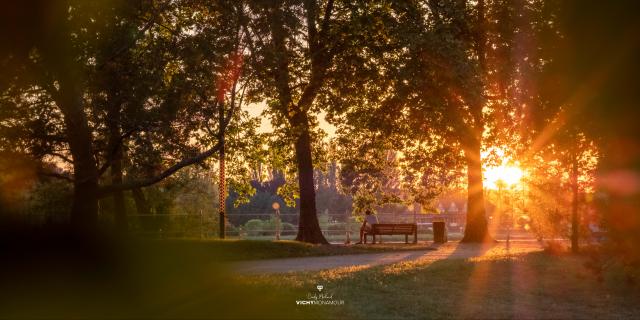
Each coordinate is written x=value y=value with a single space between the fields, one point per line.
x=506 y=175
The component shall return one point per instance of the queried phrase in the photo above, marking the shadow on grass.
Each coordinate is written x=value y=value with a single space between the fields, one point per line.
x=59 y=275
x=62 y=276
x=523 y=285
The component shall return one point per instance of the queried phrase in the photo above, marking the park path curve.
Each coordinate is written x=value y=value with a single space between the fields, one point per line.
x=450 y=250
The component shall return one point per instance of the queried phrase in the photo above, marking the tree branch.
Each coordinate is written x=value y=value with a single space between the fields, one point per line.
x=41 y=172
x=325 y=20
x=149 y=23
x=319 y=52
x=107 y=190
x=281 y=60
x=104 y=191
x=61 y=156
x=114 y=151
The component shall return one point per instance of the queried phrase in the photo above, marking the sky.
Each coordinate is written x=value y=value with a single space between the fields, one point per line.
x=505 y=171
x=255 y=110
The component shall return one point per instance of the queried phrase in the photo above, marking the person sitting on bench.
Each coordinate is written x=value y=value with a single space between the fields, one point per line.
x=369 y=220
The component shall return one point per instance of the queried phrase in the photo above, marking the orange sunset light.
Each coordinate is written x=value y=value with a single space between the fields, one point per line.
x=510 y=175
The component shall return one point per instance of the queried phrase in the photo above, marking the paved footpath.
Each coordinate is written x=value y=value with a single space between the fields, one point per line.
x=450 y=250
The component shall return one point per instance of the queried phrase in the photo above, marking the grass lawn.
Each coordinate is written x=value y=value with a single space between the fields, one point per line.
x=190 y=279
x=235 y=250
x=533 y=285
x=151 y=278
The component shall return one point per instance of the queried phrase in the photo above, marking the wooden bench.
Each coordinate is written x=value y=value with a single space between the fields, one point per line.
x=392 y=229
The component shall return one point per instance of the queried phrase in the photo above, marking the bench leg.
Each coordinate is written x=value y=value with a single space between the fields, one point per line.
x=415 y=237
x=374 y=238
x=406 y=238
x=365 y=238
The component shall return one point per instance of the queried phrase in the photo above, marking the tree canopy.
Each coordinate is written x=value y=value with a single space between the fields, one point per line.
x=111 y=99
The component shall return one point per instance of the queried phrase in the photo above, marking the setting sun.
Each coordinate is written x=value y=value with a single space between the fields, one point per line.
x=510 y=175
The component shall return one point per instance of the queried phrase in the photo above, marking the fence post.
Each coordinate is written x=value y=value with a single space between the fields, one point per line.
x=221 y=225
x=278 y=224
x=348 y=231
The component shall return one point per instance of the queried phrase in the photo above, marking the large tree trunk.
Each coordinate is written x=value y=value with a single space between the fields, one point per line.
x=115 y=156
x=574 y=205
x=308 y=226
x=119 y=207
x=142 y=206
x=145 y=219
x=476 y=229
x=84 y=209
x=59 y=56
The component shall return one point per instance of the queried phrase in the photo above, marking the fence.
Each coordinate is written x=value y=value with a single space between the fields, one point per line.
x=265 y=226
x=269 y=226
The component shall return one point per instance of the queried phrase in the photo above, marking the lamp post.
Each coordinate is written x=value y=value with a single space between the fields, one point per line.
x=500 y=183
x=510 y=222
x=507 y=177
x=276 y=207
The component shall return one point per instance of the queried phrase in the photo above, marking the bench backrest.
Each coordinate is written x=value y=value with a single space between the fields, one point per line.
x=394 y=228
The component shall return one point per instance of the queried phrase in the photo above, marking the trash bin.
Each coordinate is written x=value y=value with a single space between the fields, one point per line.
x=439 y=232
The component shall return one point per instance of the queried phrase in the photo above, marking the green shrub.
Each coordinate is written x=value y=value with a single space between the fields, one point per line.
x=288 y=229
x=253 y=227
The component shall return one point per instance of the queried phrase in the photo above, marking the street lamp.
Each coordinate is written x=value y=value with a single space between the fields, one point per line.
x=276 y=207
x=500 y=183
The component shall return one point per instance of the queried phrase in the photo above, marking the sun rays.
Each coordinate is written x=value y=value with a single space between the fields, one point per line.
x=508 y=175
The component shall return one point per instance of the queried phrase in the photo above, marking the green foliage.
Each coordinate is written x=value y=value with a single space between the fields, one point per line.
x=144 y=85
x=400 y=137
x=185 y=205
x=50 y=199
x=245 y=152
x=329 y=197
x=289 y=192
x=288 y=229
x=254 y=227
x=259 y=227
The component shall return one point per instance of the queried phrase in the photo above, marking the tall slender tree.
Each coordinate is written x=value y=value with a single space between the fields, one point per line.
x=296 y=44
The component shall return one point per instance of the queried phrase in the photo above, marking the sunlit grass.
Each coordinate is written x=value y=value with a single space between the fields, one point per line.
x=497 y=285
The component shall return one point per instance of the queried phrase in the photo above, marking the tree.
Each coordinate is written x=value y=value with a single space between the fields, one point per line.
x=542 y=122
x=427 y=89
x=290 y=59
x=522 y=37
x=115 y=79
x=595 y=71
x=560 y=182
x=296 y=44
